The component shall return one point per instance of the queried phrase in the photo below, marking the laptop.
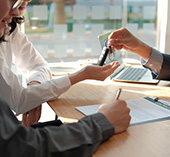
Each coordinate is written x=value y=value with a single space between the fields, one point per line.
x=127 y=74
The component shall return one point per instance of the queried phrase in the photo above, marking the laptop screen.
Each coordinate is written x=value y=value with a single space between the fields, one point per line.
x=118 y=56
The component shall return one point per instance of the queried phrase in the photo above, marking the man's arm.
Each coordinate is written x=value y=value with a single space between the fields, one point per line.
x=77 y=139
x=159 y=64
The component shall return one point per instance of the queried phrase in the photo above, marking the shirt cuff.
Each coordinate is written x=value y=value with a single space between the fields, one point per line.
x=62 y=83
x=154 y=63
x=106 y=127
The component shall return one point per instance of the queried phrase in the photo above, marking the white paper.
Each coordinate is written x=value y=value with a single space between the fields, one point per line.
x=141 y=111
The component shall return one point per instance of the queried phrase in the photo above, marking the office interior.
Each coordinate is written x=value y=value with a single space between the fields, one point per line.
x=65 y=32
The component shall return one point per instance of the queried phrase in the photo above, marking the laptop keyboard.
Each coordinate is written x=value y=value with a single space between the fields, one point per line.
x=134 y=74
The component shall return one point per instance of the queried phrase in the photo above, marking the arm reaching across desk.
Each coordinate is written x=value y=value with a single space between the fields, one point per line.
x=154 y=60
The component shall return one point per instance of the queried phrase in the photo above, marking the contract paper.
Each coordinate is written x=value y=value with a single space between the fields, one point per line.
x=142 y=110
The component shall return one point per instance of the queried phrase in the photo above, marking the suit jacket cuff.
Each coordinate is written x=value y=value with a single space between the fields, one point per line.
x=106 y=127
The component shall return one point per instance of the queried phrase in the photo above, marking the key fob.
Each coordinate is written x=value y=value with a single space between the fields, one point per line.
x=103 y=56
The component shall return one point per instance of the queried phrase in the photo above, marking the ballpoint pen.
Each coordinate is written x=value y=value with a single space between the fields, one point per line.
x=118 y=94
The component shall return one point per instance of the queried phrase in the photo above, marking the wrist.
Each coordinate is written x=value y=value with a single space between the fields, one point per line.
x=144 y=51
x=33 y=83
x=77 y=77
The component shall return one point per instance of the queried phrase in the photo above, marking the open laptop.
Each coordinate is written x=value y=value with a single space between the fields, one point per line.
x=127 y=74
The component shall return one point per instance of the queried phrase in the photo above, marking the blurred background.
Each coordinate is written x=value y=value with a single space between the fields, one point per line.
x=67 y=30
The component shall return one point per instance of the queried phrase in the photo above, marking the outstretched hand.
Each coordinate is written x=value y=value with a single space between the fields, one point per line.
x=101 y=72
x=94 y=72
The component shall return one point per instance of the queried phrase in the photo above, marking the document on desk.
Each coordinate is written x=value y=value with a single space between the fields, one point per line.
x=142 y=110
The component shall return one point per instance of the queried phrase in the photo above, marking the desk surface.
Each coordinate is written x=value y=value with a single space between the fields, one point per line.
x=146 y=140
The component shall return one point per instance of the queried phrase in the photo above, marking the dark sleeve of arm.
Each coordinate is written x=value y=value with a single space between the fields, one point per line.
x=165 y=70
x=76 y=139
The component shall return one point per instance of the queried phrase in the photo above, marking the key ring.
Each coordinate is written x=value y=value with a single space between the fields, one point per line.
x=110 y=52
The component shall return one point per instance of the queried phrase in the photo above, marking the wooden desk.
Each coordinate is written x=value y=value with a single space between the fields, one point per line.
x=146 y=140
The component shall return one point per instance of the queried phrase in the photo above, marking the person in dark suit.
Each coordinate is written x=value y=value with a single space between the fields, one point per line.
x=57 y=139
x=157 y=62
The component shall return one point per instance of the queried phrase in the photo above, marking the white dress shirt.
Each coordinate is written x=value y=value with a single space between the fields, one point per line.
x=17 y=49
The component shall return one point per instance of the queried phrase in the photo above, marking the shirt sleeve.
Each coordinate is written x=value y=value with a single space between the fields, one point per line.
x=76 y=139
x=154 y=63
x=22 y=99
x=28 y=58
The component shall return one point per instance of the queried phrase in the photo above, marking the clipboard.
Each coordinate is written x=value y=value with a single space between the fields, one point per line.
x=142 y=110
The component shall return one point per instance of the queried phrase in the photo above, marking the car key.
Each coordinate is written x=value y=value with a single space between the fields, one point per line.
x=103 y=56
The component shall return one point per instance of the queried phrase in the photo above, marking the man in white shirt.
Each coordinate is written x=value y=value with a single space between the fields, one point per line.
x=41 y=87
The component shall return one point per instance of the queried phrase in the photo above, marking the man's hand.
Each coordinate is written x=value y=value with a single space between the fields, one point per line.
x=33 y=115
x=118 y=114
x=122 y=38
x=94 y=72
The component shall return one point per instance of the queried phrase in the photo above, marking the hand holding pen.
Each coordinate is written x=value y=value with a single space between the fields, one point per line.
x=117 y=113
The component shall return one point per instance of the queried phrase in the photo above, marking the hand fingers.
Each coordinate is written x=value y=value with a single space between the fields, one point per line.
x=37 y=113
x=109 y=68
x=118 y=33
x=117 y=47
x=111 y=65
x=114 y=42
x=115 y=63
x=24 y=119
x=34 y=115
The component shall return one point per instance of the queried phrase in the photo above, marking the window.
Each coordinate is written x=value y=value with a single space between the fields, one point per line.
x=67 y=30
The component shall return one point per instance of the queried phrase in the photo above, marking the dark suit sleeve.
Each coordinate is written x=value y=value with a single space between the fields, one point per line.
x=77 y=139
x=165 y=70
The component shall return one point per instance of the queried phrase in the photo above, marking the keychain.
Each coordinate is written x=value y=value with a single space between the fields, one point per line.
x=106 y=50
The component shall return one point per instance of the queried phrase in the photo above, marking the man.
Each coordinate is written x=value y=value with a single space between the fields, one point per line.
x=41 y=88
x=157 y=62
x=77 y=139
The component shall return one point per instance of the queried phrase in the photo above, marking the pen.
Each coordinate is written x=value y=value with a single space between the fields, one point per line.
x=118 y=94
